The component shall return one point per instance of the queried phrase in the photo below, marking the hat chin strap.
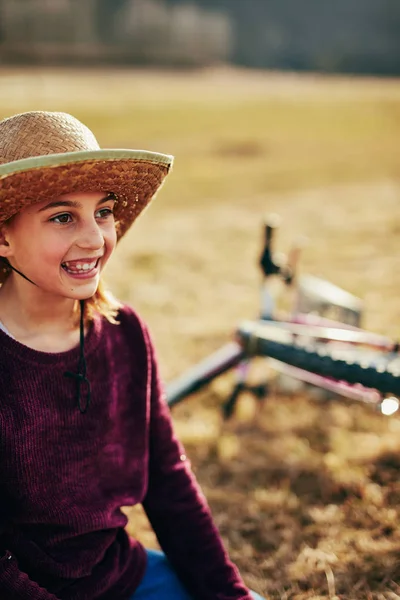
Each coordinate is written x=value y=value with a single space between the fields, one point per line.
x=16 y=270
x=80 y=376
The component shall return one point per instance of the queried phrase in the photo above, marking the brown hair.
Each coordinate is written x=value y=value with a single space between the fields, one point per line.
x=103 y=303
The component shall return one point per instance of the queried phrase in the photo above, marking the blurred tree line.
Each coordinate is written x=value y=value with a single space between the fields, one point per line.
x=359 y=36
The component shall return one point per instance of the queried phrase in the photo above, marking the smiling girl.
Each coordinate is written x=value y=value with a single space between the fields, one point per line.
x=84 y=426
x=39 y=242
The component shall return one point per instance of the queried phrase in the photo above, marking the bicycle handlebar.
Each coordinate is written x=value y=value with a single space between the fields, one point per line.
x=268 y=261
x=268 y=265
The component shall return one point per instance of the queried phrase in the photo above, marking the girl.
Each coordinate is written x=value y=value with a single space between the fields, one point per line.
x=84 y=426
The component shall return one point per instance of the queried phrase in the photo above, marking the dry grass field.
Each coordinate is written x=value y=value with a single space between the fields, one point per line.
x=307 y=494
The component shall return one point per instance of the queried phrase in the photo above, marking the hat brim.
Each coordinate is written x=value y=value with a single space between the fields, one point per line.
x=134 y=176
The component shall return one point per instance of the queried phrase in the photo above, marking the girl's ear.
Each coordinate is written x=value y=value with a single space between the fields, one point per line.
x=5 y=249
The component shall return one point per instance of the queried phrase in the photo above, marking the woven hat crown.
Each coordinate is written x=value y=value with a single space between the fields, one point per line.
x=39 y=133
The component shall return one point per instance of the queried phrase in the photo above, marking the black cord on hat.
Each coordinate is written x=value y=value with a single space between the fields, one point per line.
x=80 y=376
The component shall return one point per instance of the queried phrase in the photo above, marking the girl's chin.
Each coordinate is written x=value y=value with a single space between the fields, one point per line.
x=81 y=286
x=83 y=291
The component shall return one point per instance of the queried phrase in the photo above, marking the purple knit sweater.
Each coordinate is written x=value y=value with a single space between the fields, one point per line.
x=65 y=475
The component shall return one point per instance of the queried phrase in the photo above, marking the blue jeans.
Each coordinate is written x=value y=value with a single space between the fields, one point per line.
x=161 y=583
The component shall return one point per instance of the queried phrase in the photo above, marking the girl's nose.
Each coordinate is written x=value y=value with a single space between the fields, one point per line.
x=90 y=237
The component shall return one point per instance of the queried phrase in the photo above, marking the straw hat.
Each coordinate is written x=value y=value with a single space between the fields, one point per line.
x=46 y=154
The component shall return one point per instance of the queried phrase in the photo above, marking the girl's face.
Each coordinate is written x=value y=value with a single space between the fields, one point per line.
x=63 y=245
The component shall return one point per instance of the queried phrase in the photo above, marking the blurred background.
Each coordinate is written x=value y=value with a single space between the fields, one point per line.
x=268 y=106
x=356 y=36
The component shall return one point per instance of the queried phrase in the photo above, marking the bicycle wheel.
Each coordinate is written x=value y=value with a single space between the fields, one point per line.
x=334 y=354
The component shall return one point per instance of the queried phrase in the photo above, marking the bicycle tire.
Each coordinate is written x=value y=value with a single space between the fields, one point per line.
x=378 y=370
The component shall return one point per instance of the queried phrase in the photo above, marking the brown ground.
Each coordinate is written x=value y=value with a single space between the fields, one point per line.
x=305 y=494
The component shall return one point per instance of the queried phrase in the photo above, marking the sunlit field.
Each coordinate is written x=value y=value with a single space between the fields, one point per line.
x=307 y=494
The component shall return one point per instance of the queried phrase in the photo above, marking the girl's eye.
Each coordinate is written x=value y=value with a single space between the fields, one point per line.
x=103 y=213
x=62 y=219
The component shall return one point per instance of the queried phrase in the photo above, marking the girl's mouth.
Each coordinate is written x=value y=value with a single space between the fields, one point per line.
x=81 y=269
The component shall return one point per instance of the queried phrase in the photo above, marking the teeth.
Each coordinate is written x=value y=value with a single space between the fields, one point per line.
x=80 y=266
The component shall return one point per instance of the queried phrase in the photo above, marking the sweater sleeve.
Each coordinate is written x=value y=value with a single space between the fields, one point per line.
x=16 y=585
x=178 y=511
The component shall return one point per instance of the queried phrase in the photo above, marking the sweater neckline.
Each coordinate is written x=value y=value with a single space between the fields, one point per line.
x=25 y=353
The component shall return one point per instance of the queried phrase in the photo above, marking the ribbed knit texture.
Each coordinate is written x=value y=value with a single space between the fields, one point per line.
x=65 y=475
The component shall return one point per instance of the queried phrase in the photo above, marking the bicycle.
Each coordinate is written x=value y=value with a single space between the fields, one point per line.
x=319 y=341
